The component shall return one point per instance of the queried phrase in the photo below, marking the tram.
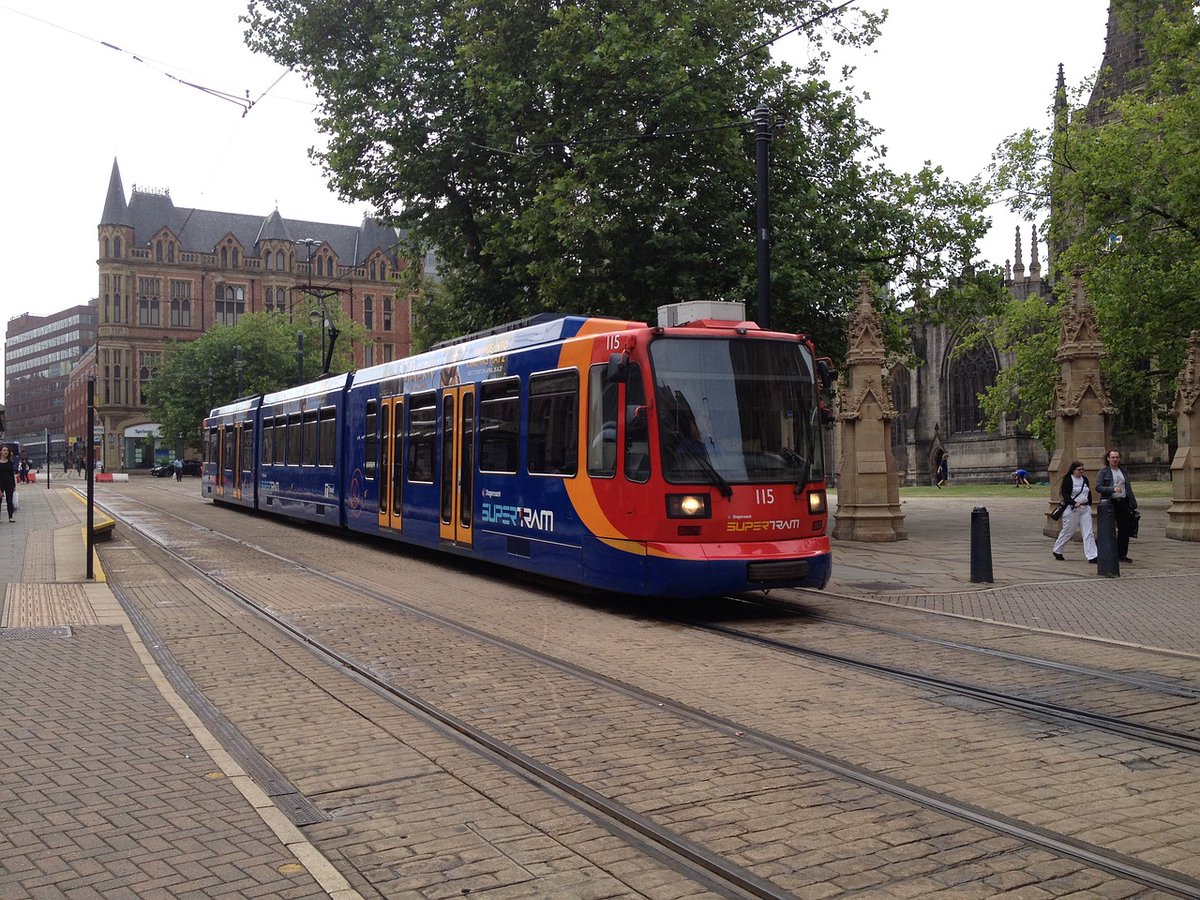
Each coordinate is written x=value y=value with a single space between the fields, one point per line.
x=681 y=462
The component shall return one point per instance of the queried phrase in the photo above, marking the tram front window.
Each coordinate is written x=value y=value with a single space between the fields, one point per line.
x=736 y=411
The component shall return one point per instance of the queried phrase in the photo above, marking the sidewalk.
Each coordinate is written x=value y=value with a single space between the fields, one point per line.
x=112 y=787
x=1154 y=602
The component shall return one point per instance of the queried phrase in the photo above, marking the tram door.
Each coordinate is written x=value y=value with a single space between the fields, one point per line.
x=218 y=453
x=457 y=482
x=391 y=462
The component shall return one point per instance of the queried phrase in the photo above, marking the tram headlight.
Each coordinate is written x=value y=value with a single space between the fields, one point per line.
x=816 y=502
x=688 y=506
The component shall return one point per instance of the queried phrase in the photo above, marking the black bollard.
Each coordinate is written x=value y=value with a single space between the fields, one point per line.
x=981 y=546
x=1106 y=541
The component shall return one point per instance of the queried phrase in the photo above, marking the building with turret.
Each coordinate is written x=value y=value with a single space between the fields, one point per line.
x=169 y=273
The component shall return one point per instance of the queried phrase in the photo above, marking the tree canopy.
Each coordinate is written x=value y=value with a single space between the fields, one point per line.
x=198 y=375
x=1121 y=184
x=598 y=158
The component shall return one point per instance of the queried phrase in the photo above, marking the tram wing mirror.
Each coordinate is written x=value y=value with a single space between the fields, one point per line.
x=635 y=421
x=826 y=372
x=618 y=368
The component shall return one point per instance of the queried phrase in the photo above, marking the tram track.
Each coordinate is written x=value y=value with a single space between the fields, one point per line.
x=684 y=855
x=1162 y=737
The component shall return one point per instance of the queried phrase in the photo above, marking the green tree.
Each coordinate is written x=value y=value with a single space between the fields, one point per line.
x=1125 y=187
x=597 y=157
x=197 y=375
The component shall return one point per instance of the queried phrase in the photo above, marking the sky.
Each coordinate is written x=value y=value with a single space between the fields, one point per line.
x=948 y=79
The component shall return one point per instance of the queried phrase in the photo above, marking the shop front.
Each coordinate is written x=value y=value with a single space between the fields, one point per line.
x=144 y=448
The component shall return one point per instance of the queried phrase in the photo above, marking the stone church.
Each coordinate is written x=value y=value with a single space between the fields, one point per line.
x=937 y=403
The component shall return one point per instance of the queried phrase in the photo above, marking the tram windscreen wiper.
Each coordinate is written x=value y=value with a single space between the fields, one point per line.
x=796 y=459
x=709 y=469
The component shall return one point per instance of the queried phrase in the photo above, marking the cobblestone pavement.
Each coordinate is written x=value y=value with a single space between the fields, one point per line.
x=112 y=787
x=109 y=788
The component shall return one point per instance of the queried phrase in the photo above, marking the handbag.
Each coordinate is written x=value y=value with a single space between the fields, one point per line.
x=1059 y=510
x=1135 y=519
x=16 y=500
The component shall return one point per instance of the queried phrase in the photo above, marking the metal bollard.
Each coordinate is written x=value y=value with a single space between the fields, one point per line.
x=981 y=546
x=1106 y=541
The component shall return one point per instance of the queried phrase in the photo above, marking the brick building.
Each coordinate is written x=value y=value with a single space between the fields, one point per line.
x=39 y=354
x=170 y=273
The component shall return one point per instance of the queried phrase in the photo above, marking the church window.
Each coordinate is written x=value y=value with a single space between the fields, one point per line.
x=224 y=257
x=970 y=374
x=235 y=257
x=117 y=247
x=372 y=270
x=387 y=313
x=158 y=251
x=902 y=401
x=106 y=247
x=170 y=251
x=369 y=312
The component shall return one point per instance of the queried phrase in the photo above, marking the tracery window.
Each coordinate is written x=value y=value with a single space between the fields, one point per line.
x=970 y=373
x=902 y=401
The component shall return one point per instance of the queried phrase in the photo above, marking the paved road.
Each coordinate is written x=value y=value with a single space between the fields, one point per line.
x=113 y=787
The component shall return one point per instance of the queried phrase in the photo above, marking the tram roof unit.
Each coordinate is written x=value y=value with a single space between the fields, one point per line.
x=546 y=328
x=321 y=386
x=242 y=404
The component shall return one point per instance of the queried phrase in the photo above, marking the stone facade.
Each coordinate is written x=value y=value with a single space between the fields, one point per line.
x=168 y=273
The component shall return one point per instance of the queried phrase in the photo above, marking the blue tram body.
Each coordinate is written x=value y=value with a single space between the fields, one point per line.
x=674 y=462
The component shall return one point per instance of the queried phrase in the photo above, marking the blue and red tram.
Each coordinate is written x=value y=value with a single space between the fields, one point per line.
x=661 y=461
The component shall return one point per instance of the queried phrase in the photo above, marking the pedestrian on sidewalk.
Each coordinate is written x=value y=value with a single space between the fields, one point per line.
x=8 y=478
x=178 y=469
x=66 y=466
x=1076 y=493
x=1112 y=483
x=943 y=470
x=79 y=466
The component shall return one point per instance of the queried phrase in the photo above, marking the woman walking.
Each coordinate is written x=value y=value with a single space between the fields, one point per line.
x=8 y=478
x=1076 y=493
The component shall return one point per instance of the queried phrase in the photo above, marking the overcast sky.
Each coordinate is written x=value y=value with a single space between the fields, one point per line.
x=949 y=79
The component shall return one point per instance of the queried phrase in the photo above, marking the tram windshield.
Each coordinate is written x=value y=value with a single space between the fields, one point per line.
x=733 y=411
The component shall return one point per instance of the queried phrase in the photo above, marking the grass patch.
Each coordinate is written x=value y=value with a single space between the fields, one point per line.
x=1147 y=489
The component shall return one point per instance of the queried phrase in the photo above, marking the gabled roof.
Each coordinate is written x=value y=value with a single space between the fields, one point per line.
x=199 y=230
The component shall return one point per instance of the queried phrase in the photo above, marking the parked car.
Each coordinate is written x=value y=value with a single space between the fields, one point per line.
x=167 y=470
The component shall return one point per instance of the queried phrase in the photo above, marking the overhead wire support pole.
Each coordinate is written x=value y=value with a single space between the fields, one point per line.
x=762 y=146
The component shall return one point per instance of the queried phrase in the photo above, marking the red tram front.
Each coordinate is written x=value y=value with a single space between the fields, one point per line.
x=705 y=461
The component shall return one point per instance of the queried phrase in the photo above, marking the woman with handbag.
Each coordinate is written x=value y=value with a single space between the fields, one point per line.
x=8 y=478
x=1077 y=512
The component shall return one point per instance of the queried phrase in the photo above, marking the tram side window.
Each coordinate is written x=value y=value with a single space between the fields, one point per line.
x=268 y=441
x=603 y=396
x=554 y=423
x=371 y=439
x=499 y=425
x=213 y=446
x=246 y=458
x=281 y=440
x=228 y=460
x=328 y=430
x=637 y=435
x=293 y=441
x=422 y=437
x=309 y=441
